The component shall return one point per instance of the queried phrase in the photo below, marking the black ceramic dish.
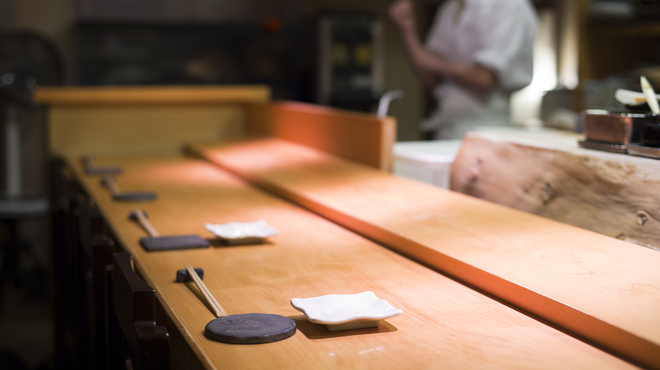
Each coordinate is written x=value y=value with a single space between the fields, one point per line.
x=650 y=135
x=638 y=108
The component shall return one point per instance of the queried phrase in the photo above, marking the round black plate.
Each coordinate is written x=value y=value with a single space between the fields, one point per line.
x=250 y=328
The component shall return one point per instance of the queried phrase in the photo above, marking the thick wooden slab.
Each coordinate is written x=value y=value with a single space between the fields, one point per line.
x=444 y=323
x=602 y=289
x=549 y=175
x=359 y=137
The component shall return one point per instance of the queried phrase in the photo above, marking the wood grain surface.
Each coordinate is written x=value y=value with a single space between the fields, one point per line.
x=612 y=194
x=599 y=288
x=139 y=129
x=359 y=137
x=138 y=120
x=444 y=324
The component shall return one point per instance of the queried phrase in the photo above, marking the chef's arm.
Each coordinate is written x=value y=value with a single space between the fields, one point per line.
x=433 y=68
x=417 y=58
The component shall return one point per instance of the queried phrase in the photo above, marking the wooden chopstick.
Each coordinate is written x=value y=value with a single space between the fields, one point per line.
x=144 y=222
x=218 y=310
x=110 y=182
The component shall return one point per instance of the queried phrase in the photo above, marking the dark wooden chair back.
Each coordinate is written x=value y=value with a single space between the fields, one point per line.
x=131 y=320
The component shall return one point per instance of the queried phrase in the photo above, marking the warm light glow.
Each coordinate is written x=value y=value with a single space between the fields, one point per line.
x=545 y=56
x=569 y=46
x=526 y=103
x=184 y=172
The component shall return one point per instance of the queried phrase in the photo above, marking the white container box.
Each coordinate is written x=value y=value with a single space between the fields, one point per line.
x=426 y=161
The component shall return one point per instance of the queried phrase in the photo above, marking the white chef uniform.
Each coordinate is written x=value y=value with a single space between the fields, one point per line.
x=496 y=34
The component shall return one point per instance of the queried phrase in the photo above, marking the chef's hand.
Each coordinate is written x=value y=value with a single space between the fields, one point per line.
x=401 y=13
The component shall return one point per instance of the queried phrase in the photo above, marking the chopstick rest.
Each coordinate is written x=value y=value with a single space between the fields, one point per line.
x=248 y=328
x=93 y=169
x=182 y=275
x=109 y=182
x=155 y=242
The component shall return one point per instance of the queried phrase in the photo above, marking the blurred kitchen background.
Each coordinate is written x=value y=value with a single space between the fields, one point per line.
x=342 y=53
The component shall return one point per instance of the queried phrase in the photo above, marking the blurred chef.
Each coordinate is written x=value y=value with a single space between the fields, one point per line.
x=476 y=54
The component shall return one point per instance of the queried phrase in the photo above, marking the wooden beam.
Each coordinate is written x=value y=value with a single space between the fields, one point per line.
x=140 y=95
x=139 y=129
x=147 y=120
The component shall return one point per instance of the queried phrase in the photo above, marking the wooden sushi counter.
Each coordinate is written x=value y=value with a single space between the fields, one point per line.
x=480 y=285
